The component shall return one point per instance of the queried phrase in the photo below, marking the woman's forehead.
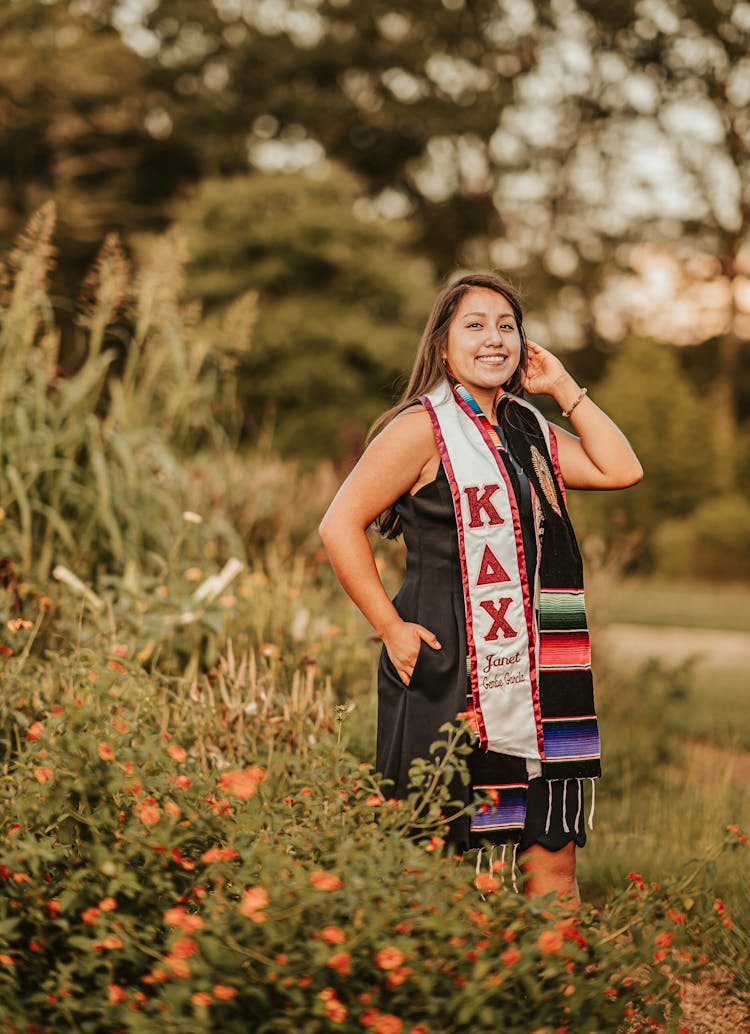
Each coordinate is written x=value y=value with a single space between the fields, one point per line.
x=483 y=301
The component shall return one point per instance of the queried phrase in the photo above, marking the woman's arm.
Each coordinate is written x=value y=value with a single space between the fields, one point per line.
x=600 y=456
x=393 y=463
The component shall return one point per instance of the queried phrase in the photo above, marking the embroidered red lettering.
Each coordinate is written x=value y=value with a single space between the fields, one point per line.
x=477 y=503
x=491 y=570
x=497 y=612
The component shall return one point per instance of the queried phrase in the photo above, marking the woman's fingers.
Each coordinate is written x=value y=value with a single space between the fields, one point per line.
x=428 y=637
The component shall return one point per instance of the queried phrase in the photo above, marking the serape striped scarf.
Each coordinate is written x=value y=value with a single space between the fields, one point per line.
x=566 y=737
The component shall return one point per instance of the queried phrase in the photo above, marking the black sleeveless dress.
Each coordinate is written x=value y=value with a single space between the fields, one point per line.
x=409 y=716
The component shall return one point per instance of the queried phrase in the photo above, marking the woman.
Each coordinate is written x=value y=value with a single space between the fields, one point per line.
x=493 y=595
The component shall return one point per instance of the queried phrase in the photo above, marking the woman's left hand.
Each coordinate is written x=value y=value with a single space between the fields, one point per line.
x=542 y=371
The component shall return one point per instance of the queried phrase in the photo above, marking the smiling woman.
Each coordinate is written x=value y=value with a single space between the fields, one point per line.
x=490 y=620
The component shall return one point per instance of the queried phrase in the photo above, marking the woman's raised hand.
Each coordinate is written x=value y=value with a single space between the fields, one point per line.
x=402 y=641
x=543 y=370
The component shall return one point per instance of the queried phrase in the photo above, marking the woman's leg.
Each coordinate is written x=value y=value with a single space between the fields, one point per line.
x=548 y=871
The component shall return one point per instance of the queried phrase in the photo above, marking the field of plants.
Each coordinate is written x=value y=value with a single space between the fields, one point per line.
x=192 y=835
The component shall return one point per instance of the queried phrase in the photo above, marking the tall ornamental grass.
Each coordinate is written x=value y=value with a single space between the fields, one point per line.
x=92 y=437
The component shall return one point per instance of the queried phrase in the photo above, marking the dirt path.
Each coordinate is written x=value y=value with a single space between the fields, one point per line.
x=672 y=645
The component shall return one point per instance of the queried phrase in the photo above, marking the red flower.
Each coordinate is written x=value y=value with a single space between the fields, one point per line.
x=333 y=935
x=115 y=994
x=341 y=962
x=201 y=998
x=90 y=915
x=108 y=904
x=34 y=731
x=176 y=752
x=510 y=956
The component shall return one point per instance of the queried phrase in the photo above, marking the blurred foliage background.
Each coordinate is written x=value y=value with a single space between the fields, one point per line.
x=340 y=160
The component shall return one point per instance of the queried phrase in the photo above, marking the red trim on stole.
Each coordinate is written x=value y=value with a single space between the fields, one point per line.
x=464 y=570
x=527 y=602
x=556 y=464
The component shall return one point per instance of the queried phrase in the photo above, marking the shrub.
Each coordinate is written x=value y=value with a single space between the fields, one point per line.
x=154 y=884
x=714 y=542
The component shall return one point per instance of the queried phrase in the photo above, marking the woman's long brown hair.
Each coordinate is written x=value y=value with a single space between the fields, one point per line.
x=428 y=368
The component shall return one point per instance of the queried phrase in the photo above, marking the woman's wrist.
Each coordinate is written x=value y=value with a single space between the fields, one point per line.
x=566 y=392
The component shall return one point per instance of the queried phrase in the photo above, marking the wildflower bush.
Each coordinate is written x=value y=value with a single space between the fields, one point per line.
x=178 y=875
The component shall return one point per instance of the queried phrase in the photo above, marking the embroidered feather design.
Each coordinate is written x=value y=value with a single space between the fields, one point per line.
x=545 y=479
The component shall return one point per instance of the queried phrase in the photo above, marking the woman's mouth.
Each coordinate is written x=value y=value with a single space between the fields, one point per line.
x=492 y=360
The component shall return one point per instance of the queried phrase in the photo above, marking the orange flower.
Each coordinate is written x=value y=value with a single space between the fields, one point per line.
x=34 y=731
x=341 y=962
x=550 y=941
x=335 y=1011
x=389 y=957
x=116 y=666
x=242 y=784
x=486 y=883
x=148 y=811
x=434 y=843
x=201 y=998
x=105 y=751
x=7 y=960
x=388 y=1024
x=663 y=940
x=16 y=624
x=510 y=956
x=398 y=976
x=224 y=991
x=90 y=915
x=186 y=921
x=115 y=994
x=176 y=752
x=219 y=854
x=374 y=800
x=109 y=943
x=323 y=880
x=333 y=935
x=254 y=900
x=180 y=967
x=43 y=774
x=120 y=725
x=183 y=782
x=108 y=904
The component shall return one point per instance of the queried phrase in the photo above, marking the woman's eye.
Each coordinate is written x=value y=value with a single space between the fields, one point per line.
x=470 y=325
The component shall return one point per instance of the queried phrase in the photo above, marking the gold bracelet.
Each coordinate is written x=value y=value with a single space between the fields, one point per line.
x=567 y=412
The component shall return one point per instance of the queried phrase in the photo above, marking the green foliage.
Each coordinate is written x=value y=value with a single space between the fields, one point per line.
x=713 y=542
x=649 y=397
x=342 y=301
x=149 y=882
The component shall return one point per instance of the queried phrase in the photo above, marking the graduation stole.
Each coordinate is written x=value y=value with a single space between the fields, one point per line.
x=529 y=657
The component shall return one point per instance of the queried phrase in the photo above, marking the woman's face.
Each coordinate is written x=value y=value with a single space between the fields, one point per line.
x=484 y=342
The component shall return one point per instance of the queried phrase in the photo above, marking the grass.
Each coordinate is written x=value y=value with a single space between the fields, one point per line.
x=685 y=604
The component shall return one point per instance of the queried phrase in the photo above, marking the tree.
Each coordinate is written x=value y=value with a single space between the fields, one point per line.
x=646 y=393
x=77 y=124
x=341 y=303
